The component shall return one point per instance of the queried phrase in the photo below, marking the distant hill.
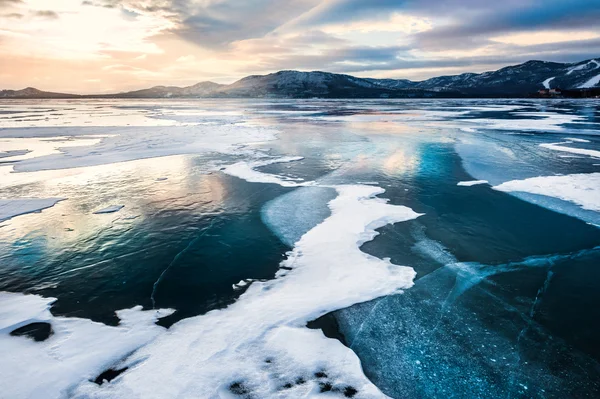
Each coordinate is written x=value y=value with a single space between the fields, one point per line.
x=202 y=89
x=512 y=81
x=31 y=92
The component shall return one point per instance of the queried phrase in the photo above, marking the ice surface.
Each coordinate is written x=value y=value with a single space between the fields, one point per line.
x=78 y=349
x=291 y=215
x=449 y=337
x=560 y=147
x=471 y=183
x=10 y=208
x=528 y=121
x=110 y=209
x=262 y=337
x=582 y=189
x=127 y=144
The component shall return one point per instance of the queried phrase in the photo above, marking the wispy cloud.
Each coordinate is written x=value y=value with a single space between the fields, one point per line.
x=184 y=41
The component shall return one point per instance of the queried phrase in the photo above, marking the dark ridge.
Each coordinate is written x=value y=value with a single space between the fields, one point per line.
x=329 y=325
x=109 y=375
x=39 y=331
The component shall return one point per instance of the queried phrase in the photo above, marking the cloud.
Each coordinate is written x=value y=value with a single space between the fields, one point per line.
x=6 y=3
x=49 y=14
x=13 y=15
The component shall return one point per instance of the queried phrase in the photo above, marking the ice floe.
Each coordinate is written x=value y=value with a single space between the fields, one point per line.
x=76 y=350
x=471 y=183
x=109 y=209
x=582 y=189
x=10 y=208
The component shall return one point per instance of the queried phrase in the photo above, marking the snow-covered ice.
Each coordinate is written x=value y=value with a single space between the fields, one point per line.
x=576 y=140
x=471 y=183
x=76 y=351
x=582 y=189
x=247 y=170
x=262 y=337
x=10 y=208
x=125 y=144
x=562 y=147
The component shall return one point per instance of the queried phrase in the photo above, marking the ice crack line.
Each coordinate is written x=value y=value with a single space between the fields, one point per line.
x=179 y=254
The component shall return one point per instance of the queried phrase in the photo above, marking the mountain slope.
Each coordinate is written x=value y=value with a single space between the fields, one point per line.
x=312 y=84
x=511 y=81
x=201 y=89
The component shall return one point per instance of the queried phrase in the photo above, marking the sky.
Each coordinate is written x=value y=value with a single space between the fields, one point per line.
x=102 y=46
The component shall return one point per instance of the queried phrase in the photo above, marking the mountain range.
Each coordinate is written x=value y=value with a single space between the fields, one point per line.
x=512 y=81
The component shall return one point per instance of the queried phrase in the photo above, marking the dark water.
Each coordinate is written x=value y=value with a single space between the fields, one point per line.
x=506 y=300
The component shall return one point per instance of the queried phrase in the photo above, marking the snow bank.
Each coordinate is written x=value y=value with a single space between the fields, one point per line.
x=260 y=346
x=471 y=183
x=10 y=208
x=582 y=189
x=78 y=349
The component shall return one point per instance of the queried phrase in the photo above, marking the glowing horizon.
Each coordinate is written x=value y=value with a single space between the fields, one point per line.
x=106 y=46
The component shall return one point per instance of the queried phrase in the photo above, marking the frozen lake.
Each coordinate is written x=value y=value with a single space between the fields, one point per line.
x=435 y=248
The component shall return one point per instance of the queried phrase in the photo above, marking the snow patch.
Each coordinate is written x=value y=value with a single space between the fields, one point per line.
x=590 y=83
x=262 y=337
x=576 y=140
x=546 y=82
x=78 y=350
x=471 y=183
x=246 y=170
x=582 y=189
x=583 y=66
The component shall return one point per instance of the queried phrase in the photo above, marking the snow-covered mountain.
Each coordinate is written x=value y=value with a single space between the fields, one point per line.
x=512 y=81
